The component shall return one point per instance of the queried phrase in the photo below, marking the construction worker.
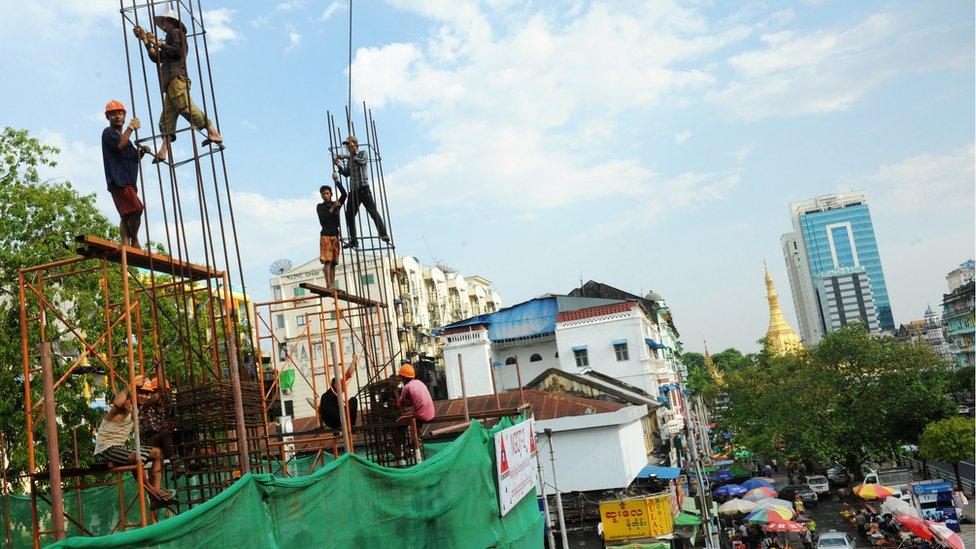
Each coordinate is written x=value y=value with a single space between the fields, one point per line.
x=112 y=441
x=328 y=212
x=414 y=394
x=329 y=403
x=170 y=55
x=120 y=158
x=356 y=168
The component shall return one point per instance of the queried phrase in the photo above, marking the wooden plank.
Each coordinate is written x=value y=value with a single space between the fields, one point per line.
x=93 y=246
x=340 y=294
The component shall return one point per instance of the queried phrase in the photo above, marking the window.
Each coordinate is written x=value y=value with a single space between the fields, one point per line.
x=535 y=358
x=582 y=359
x=282 y=351
x=510 y=360
x=300 y=320
x=620 y=349
x=298 y=291
x=368 y=278
x=280 y=321
x=277 y=292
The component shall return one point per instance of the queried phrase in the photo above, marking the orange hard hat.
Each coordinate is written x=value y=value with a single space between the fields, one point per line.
x=406 y=370
x=114 y=105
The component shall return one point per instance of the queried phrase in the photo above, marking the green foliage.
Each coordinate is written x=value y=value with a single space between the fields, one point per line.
x=38 y=223
x=852 y=397
x=963 y=380
x=949 y=440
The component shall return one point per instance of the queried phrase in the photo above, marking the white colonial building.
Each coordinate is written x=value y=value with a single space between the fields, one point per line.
x=617 y=338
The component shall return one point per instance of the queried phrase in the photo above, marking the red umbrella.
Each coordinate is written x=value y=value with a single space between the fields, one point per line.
x=916 y=526
x=788 y=526
x=944 y=536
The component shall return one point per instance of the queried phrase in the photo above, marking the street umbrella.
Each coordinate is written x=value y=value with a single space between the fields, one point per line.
x=916 y=526
x=730 y=490
x=759 y=494
x=742 y=454
x=944 y=536
x=769 y=516
x=736 y=507
x=773 y=503
x=873 y=491
x=757 y=483
x=721 y=476
x=898 y=507
x=785 y=527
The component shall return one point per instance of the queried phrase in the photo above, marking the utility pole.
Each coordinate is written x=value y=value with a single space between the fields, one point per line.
x=559 y=498
x=702 y=482
x=545 y=501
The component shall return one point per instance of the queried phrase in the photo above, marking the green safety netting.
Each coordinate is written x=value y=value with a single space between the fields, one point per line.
x=449 y=500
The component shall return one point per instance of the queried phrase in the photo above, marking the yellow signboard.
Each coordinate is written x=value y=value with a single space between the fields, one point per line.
x=636 y=518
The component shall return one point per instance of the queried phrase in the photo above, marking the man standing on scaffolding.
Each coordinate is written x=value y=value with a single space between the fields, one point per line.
x=170 y=55
x=356 y=168
x=328 y=212
x=120 y=158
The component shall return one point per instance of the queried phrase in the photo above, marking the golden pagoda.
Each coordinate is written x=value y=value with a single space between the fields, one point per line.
x=717 y=376
x=780 y=338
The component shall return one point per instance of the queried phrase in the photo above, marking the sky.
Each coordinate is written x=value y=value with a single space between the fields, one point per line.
x=647 y=145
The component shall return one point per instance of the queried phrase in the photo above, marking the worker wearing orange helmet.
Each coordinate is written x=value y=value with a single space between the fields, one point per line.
x=120 y=158
x=414 y=394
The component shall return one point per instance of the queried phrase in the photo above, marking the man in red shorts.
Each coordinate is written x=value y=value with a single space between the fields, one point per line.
x=328 y=212
x=120 y=159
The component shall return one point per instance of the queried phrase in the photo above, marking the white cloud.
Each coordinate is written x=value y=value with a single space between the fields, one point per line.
x=220 y=29
x=291 y=5
x=60 y=20
x=741 y=153
x=331 y=10
x=682 y=136
x=923 y=182
x=294 y=40
x=829 y=70
x=523 y=114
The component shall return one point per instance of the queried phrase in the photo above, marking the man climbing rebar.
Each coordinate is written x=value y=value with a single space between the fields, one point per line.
x=328 y=212
x=170 y=55
x=356 y=168
x=112 y=441
x=120 y=158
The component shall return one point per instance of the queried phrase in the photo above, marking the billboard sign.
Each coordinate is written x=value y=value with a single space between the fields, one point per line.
x=515 y=464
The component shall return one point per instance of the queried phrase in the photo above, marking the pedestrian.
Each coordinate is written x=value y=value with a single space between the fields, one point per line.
x=170 y=55
x=328 y=212
x=356 y=168
x=744 y=534
x=120 y=159
x=768 y=470
x=807 y=538
x=112 y=441
x=861 y=521
x=798 y=505
x=775 y=466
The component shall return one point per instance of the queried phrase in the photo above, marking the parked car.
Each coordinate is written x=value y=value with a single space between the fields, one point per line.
x=819 y=484
x=838 y=476
x=807 y=496
x=835 y=540
x=963 y=410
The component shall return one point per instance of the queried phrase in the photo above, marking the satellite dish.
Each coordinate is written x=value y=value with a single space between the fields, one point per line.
x=280 y=266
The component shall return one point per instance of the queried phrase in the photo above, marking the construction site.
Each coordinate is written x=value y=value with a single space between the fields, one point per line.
x=176 y=311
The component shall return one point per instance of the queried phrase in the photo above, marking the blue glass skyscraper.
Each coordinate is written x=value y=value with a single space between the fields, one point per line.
x=832 y=232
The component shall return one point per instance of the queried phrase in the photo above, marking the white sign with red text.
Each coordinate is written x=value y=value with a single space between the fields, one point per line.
x=516 y=466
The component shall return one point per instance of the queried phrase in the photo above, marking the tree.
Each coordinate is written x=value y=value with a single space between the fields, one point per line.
x=949 y=441
x=851 y=397
x=38 y=223
x=963 y=380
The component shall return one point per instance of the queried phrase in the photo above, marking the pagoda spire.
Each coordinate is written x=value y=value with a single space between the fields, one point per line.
x=780 y=337
x=717 y=376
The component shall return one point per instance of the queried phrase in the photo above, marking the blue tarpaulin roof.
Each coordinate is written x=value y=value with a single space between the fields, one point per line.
x=663 y=473
x=532 y=318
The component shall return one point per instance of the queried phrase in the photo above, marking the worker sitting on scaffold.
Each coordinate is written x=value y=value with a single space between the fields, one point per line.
x=120 y=158
x=171 y=57
x=328 y=212
x=356 y=168
x=112 y=441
